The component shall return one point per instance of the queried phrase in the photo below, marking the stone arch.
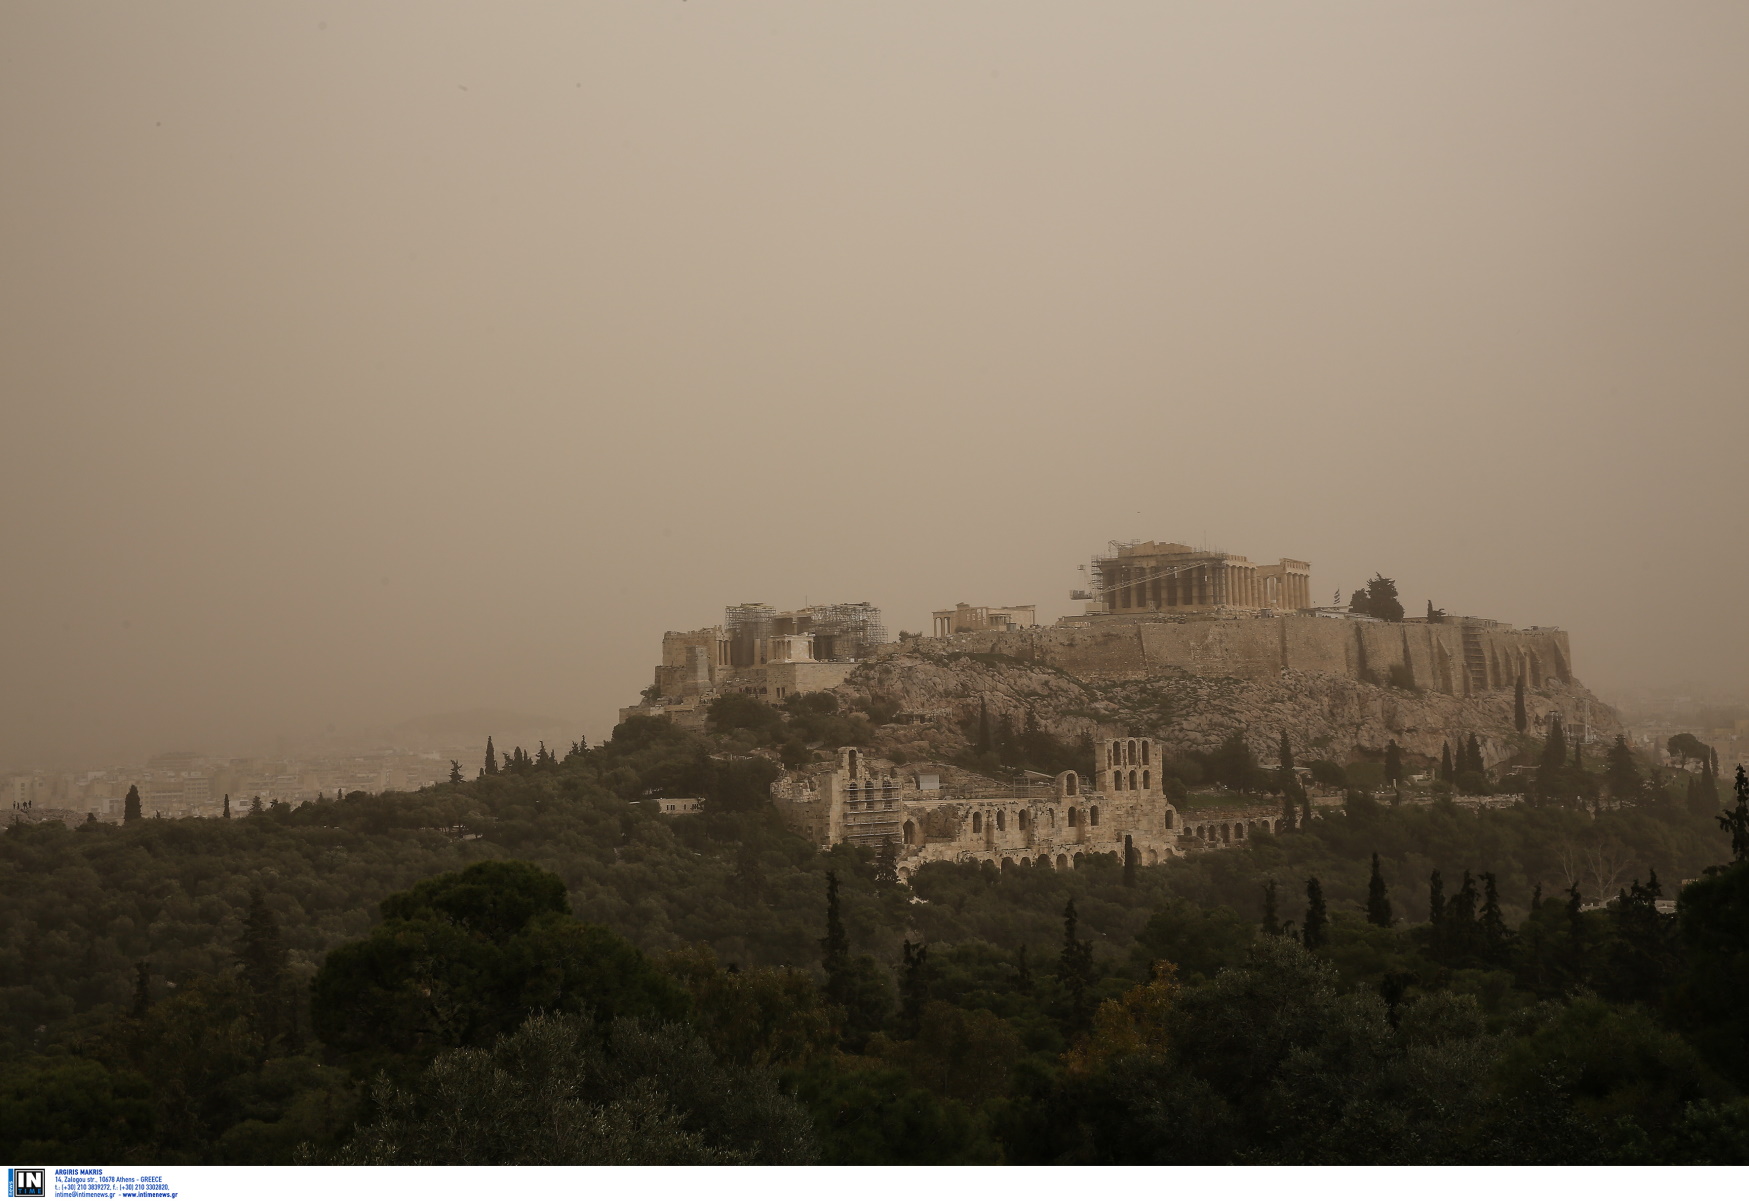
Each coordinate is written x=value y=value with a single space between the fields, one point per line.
x=852 y=762
x=1147 y=781
x=1074 y=817
x=1093 y=815
x=1025 y=862
x=1001 y=820
x=1132 y=780
x=1062 y=863
x=1153 y=858
x=1169 y=816
x=1146 y=743
x=1132 y=752
x=1051 y=814
x=1078 y=858
x=1114 y=755
x=1226 y=832
x=977 y=823
x=910 y=829
x=1007 y=863
x=1071 y=784
x=1020 y=819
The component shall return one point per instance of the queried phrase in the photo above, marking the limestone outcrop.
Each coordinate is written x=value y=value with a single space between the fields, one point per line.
x=939 y=692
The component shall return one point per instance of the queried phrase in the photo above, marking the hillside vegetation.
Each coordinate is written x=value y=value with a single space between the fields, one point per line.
x=406 y=977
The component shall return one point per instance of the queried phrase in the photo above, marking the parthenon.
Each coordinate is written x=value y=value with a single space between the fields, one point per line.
x=1146 y=577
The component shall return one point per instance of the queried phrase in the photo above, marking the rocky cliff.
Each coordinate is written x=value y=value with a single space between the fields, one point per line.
x=938 y=692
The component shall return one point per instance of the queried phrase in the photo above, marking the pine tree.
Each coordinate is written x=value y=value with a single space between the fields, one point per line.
x=227 y=806
x=1447 y=771
x=1314 y=933
x=1378 y=901
x=455 y=772
x=130 y=808
x=1436 y=902
x=255 y=805
x=142 y=990
x=1271 y=919
x=1393 y=762
x=1519 y=718
x=1075 y=972
x=491 y=768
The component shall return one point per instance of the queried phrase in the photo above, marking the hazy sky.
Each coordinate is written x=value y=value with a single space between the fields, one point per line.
x=362 y=361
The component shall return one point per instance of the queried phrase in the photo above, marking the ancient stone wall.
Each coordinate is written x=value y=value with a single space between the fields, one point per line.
x=1453 y=658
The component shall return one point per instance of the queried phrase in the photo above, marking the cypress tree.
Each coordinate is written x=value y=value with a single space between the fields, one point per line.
x=142 y=990
x=1316 y=918
x=1621 y=773
x=1555 y=745
x=227 y=806
x=455 y=772
x=1447 y=771
x=1271 y=920
x=1075 y=971
x=1289 y=813
x=1129 y=861
x=1393 y=762
x=1519 y=718
x=1494 y=932
x=913 y=989
x=1436 y=901
x=1460 y=921
x=491 y=768
x=1378 y=901
x=835 y=947
x=1286 y=753
x=1735 y=821
x=130 y=808
x=261 y=954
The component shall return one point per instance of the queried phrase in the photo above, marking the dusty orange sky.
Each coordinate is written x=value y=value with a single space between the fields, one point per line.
x=361 y=361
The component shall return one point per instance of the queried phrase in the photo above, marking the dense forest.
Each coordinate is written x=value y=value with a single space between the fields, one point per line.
x=535 y=966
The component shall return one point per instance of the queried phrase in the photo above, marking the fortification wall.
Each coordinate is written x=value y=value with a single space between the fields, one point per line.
x=1452 y=658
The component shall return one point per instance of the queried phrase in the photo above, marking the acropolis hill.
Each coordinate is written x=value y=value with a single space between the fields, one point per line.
x=1177 y=650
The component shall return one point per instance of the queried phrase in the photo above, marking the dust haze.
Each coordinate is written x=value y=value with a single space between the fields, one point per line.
x=365 y=362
